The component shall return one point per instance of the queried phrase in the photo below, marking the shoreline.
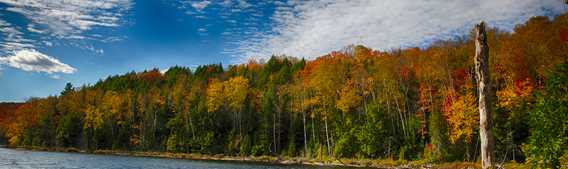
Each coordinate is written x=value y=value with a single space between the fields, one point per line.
x=267 y=160
x=270 y=160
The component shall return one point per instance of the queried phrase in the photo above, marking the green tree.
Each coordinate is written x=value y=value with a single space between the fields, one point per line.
x=548 y=139
x=68 y=88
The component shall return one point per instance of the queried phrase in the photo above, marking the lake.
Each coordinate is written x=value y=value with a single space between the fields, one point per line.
x=23 y=159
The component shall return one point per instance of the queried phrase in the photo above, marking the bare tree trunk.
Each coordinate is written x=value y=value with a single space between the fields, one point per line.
x=274 y=131
x=279 y=126
x=305 y=136
x=327 y=138
x=192 y=127
x=314 y=131
x=304 y=121
x=154 y=128
x=240 y=117
x=484 y=90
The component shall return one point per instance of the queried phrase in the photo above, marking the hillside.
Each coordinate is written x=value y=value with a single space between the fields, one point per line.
x=408 y=104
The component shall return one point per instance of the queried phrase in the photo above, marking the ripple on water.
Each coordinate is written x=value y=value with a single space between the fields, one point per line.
x=23 y=159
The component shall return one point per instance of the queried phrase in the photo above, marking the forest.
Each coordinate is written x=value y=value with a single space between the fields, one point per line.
x=360 y=103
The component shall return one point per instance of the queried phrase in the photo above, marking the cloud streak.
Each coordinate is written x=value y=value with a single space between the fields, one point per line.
x=313 y=28
x=69 y=18
x=200 y=5
x=54 y=22
x=13 y=38
x=34 y=61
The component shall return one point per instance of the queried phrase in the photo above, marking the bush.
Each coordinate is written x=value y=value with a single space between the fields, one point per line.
x=346 y=146
x=172 y=145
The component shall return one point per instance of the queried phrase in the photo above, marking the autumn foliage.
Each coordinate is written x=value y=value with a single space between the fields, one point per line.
x=358 y=103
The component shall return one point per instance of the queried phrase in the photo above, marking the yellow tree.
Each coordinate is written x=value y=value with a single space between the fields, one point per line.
x=236 y=90
x=349 y=97
x=111 y=107
x=92 y=123
x=15 y=132
x=93 y=118
x=215 y=96
x=514 y=93
x=326 y=84
x=111 y=103
x=462 y=117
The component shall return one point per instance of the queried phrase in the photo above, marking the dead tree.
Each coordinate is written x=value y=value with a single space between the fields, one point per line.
x=484 y=90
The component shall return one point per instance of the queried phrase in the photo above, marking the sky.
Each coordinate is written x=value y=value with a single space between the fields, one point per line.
x=47 y=43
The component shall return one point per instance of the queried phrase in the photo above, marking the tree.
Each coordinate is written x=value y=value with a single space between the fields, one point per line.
x=325 y=85
x=299 y=105
x=236 y=90
x=93 y=123
x=215 y=96
x=68 y=88
x=484 y=89
x=462 y=116
x=548 y=140
x=348 y=97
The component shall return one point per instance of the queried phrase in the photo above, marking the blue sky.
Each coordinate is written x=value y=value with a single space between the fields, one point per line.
x=45 y=44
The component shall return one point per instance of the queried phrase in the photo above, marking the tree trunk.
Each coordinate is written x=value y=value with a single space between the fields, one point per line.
x=305 y=136
x=314 y=131
x=274 y=131
x=192 y=126
x=154 y=133
x=302 y=107
x=484 y=90
x=327 y=138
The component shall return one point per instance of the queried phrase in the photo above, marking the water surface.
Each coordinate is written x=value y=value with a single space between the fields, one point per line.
x=13 y=158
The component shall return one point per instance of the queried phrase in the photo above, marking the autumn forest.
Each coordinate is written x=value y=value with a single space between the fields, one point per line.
x=360 y=103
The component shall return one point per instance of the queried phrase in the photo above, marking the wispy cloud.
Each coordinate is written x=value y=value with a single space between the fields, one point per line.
x=224 y=8
x=34 y=61
x=200 y=5
x=236 y=19
x=68 y=18
x=313 y=28
x=13 y=38
x=48 y=22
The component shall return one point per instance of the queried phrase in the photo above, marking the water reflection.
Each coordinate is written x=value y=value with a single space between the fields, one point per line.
x=24 y=159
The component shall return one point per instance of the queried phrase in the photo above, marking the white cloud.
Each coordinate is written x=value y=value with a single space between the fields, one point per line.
x=313 y=28
x=49 y=20
x=236 y=4
x=200 y=5
x=64 y=18
x=34 y=61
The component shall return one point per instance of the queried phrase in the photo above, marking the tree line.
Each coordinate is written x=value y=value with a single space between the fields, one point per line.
x=415 y=103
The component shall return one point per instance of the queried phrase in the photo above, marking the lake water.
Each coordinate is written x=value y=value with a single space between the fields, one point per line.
x=12 y=158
